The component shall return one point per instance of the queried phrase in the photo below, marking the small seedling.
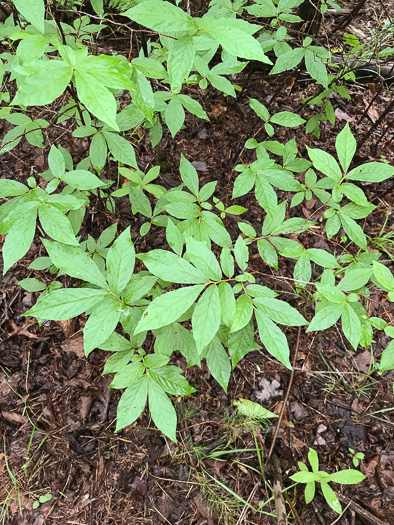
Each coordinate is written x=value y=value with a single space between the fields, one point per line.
x=356 y=457
x=41 y=500
x=345 y=477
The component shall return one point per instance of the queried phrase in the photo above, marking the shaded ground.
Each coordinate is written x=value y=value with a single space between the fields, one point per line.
x=57 y=424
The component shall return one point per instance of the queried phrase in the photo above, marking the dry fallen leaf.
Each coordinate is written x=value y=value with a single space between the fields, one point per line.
x=67 y=327
x=75 y=345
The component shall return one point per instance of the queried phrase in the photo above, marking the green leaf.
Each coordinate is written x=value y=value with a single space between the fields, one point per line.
x=11 y=188
x=253 y=410
x=346 y=146
x=19 y=239
x=169 y=378
x=206 y=318
x=149 y=67
x=326 y=317
x=140 y=202
x=185 y=343
x=66 y=303
x=355 y=279
x=322 y=258
x=354 y=231
x=333 y=225
x=233 y=40
x=204 y=259
x=169 y=267
x=244 y=183
x=371 y=172
x=33 y=11
x=351 y=326
x=56 y=162
x=75 y=263
x=101 y=323
x=120 y=262
x=218 y=362
x=273 y=339
x=347 y=477
x=121 y=149
x=227 y=302
x=259 y=109
x=174 y=237
x=383 y=275
x=241 y=253
x=193 y=106
x=138 y=287
x=265 y=9
x=316 y=68
x=162 y=17
x=302 y=270
x=325 y=163
x=174 y=116
x=128 y=375
x=168 y=308
x=387 y=358
x=162 y=411
x=354 y=193
x=98 y=6
x=331 y=497
x=266 y=195
x=287 y=119
x=267 y=253
x=280 y=311
x=180 y=61
x=288 y=61
x=331 y=293
x=243 y=313
x=189 y=175
x=32 y=285
x=116 y=343
x=310 y=490
x=132 y=403
x=313 y=460
x=82 y=180
x=227 y=262
x=222 y=84
x=56 y=224
x=96 y=97
x=241 y=343
x=45 y=86
x=303 y=477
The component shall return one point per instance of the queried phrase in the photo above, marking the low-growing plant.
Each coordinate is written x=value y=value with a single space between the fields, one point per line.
x=205 y=296
x=310 y=478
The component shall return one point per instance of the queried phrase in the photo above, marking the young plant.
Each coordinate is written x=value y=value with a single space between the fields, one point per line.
x=356 y=457
x=310 y=478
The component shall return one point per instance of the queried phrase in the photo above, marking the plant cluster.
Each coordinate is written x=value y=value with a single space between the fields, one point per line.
x=200 y=296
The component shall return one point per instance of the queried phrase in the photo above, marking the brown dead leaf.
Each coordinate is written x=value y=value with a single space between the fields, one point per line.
x=368 y=467
x=363 y=361
x=341 y=115
x=67 y=327
x=75 y=345
x=310 y=204
x=373 y=114
x=137 y=488
x=387 y=478
x=14 y=417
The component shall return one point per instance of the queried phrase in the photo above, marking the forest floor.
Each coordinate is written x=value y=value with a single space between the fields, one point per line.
x=57 y=410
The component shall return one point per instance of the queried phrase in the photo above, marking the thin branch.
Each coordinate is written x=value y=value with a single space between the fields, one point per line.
x=282 y=411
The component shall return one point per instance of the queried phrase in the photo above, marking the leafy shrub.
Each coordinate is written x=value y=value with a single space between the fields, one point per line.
x=200 y=297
